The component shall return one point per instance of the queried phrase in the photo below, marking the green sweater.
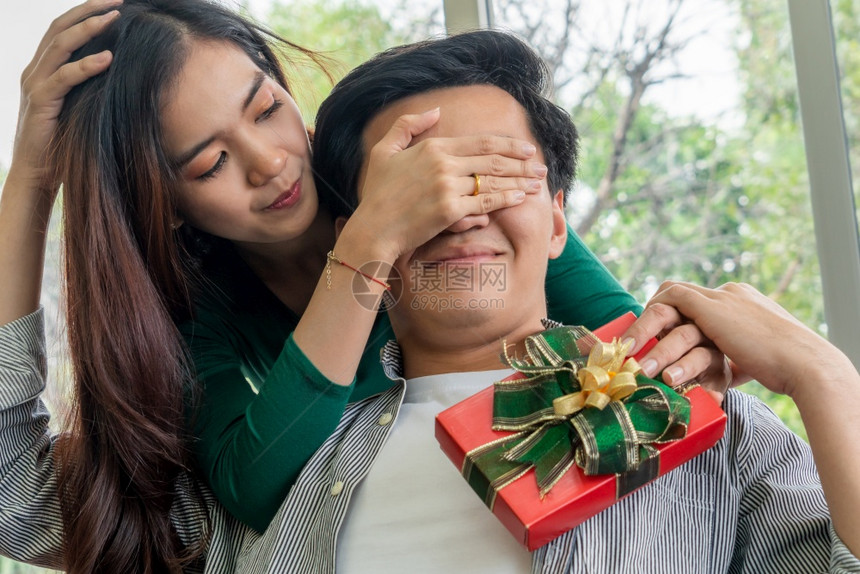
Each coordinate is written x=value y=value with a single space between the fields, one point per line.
x=262 y=408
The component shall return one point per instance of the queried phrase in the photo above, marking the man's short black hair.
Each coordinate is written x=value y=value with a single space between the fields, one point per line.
x=483 y=57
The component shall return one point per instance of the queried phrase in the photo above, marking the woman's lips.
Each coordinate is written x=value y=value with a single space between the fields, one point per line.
x=288 y=198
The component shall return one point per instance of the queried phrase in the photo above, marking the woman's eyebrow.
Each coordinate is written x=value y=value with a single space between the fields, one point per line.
x=259 y=77
x=184 y=159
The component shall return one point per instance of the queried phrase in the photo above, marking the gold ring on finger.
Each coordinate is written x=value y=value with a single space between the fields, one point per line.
x=477 y=189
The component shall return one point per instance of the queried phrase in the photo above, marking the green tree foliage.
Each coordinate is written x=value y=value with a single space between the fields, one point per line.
x=777 y=176
x=847 y=23
x=668 y=197
x=343 y=34
x=767 y=65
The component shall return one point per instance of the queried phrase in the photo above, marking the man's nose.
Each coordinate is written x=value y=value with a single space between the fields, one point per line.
x=469 y=222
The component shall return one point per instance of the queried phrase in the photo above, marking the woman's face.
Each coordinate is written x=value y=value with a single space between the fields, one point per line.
x=242 y=147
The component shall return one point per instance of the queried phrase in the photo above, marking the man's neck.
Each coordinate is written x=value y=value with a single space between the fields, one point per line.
x=473 y=348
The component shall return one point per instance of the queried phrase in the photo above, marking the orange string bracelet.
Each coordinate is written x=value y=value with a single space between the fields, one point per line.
x=332 y=257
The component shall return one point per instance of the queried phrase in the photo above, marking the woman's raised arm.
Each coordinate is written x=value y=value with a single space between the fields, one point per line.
x=31 y=524
x=30 y=188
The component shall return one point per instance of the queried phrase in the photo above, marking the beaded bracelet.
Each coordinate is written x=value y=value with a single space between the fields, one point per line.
x=332 y=257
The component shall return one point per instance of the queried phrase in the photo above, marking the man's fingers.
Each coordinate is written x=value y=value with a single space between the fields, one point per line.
x=705 y=366
x=717 y=378
x=678 y=342
x=699 y=363
x=655 y=321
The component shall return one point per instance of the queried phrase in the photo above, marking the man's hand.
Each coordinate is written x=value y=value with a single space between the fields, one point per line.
x=683 y=353
x=761 y=338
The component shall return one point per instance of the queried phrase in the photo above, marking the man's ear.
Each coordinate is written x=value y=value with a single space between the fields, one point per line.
x=559 y=226
x=338 y=225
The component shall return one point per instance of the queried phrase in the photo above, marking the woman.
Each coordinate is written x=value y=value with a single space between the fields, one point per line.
x=164 y=211
x=130 y=274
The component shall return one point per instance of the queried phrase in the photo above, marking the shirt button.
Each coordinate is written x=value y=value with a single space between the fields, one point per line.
x=385 y=419
x=336 y=488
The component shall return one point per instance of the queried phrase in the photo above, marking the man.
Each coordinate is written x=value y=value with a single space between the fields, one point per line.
x=461 y=294
x=381 y=497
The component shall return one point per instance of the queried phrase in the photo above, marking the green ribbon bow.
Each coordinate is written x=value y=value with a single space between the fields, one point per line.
x=614 y=436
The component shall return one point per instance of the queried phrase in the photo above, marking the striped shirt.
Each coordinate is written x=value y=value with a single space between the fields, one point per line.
x=753 y=503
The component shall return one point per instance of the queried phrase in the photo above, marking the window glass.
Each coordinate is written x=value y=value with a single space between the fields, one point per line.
x=346 y=33
x=692 y=163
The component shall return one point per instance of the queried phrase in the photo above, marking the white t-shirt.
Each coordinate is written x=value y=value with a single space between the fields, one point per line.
x=414 y=512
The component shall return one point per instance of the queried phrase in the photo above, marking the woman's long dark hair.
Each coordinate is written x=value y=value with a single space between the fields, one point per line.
x=128 y=281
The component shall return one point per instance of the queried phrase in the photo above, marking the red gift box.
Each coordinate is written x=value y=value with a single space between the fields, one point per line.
x=576 y=497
